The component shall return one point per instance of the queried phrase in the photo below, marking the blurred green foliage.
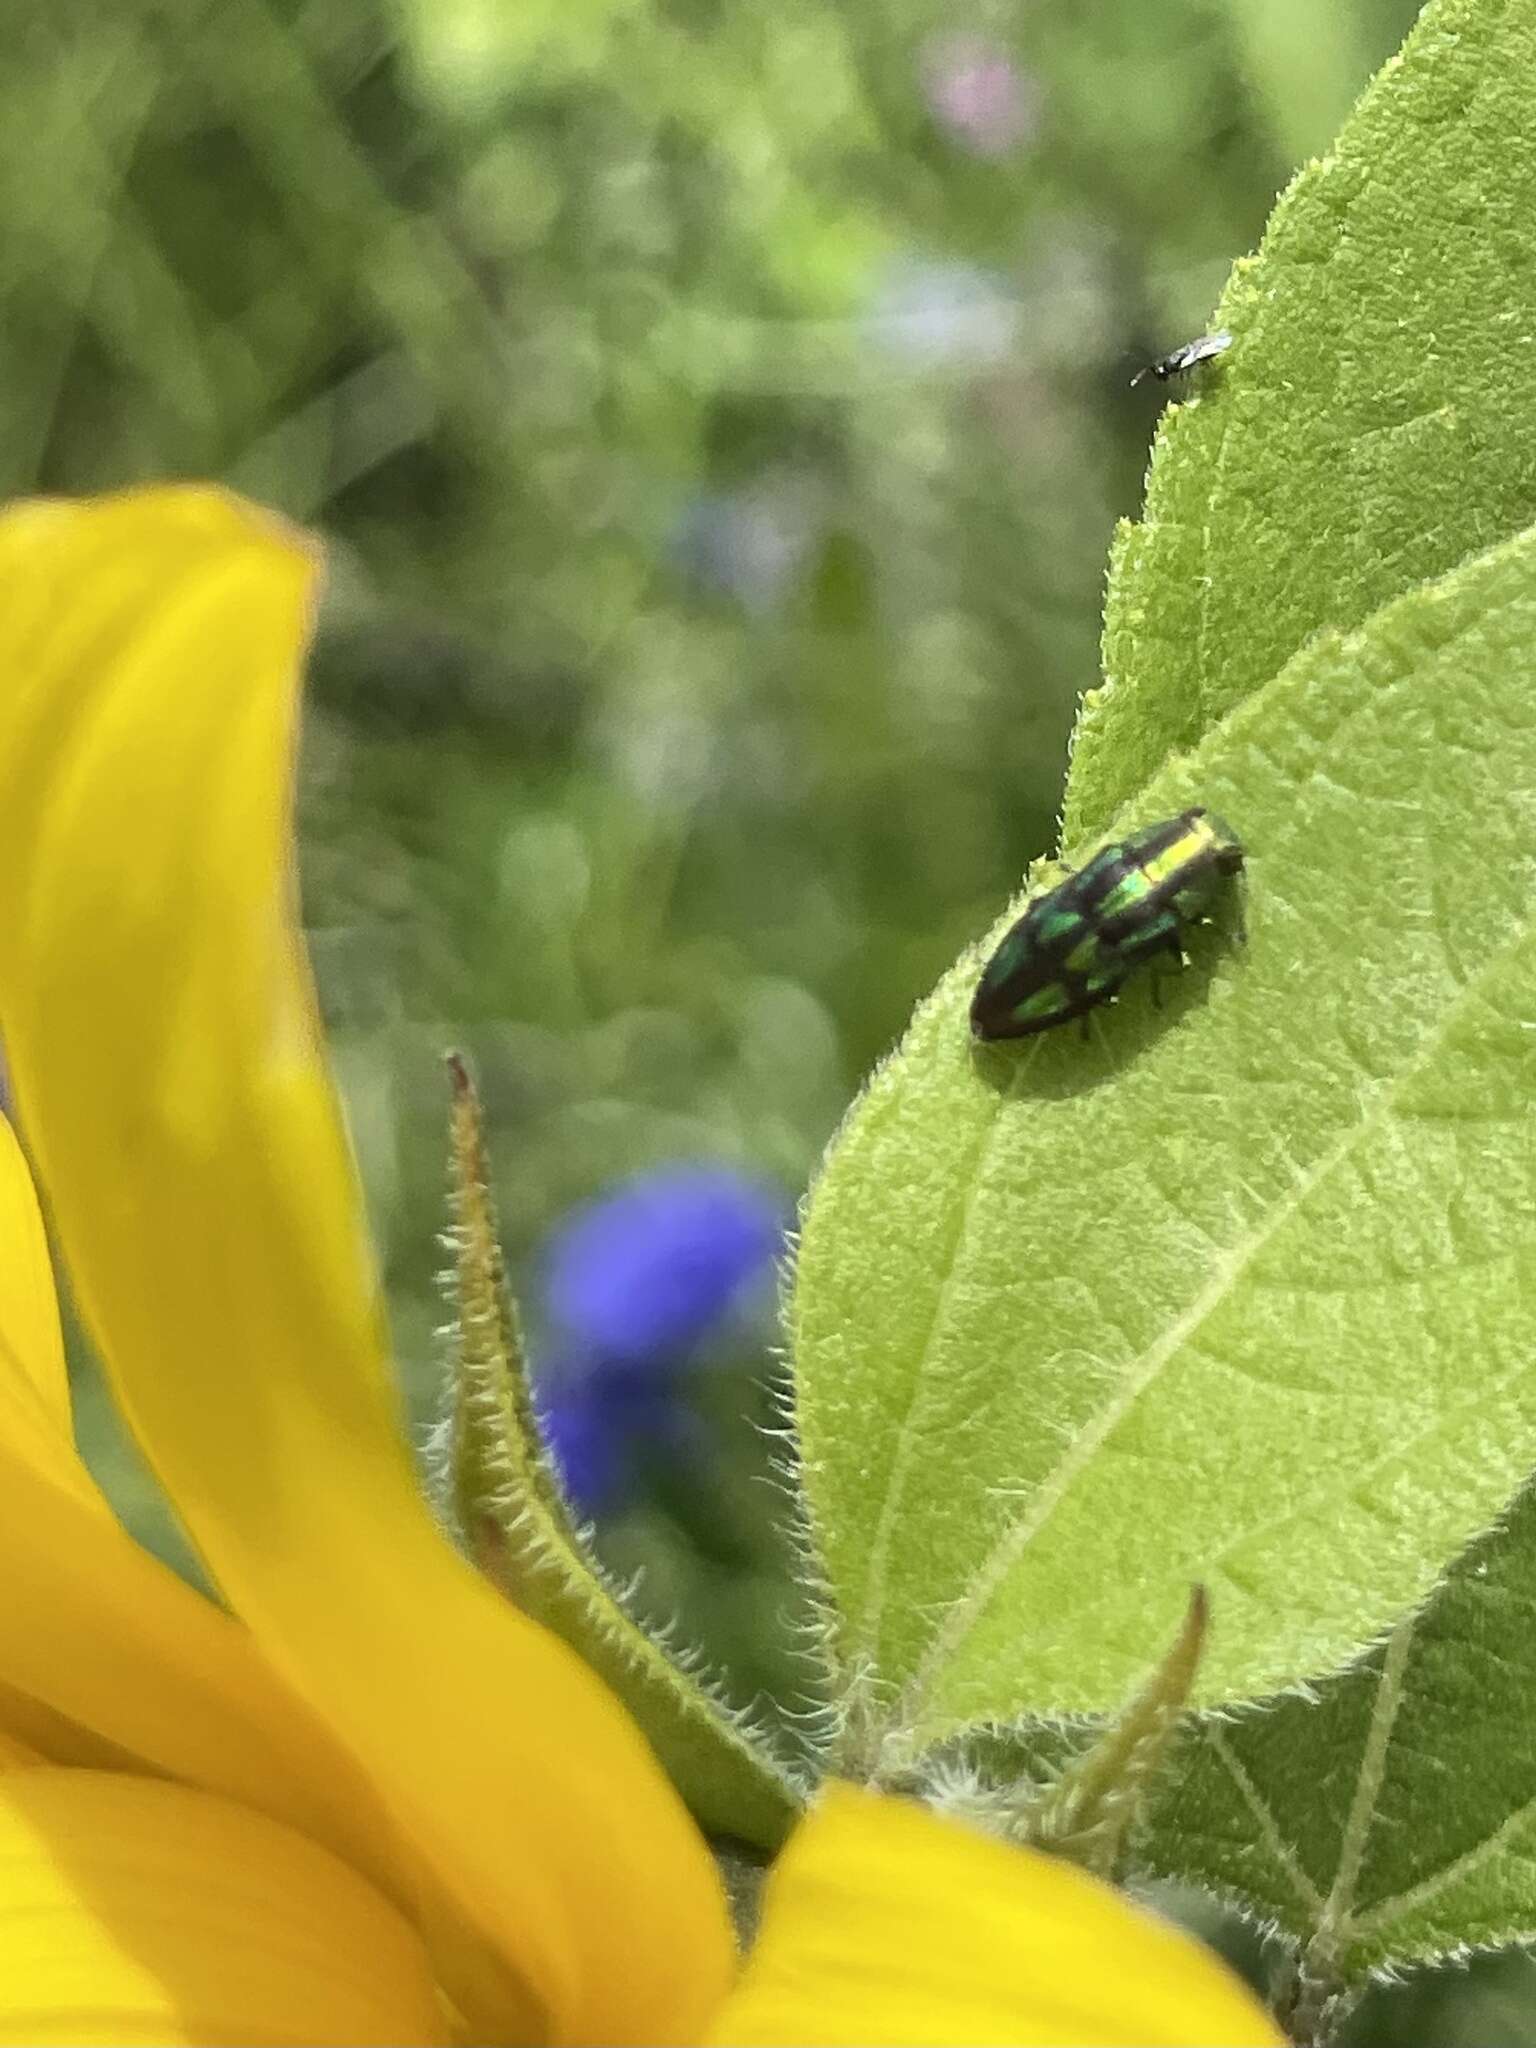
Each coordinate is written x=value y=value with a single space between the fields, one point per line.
x=717 y=414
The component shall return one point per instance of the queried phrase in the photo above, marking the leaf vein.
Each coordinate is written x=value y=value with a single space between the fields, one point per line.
x=1373 y=1105
x=1269 y=1827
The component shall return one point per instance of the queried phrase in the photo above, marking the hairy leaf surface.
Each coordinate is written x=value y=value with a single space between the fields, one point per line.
x=1367 y=428
x=1238 y=1291
x=1393 y=1820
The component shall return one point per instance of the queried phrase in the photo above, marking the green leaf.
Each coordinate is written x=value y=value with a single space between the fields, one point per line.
x=1369 y=427
x=1237 y=1292
x=1393 y=1821
x=504 y=1498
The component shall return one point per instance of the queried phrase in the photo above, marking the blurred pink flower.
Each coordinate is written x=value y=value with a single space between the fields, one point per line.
x=977 y=92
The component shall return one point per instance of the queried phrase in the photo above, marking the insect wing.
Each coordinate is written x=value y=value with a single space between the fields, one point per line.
x=1048 y=967
x=1187 y=356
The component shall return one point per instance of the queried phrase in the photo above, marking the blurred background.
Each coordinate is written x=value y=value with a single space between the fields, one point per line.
x=717 y=413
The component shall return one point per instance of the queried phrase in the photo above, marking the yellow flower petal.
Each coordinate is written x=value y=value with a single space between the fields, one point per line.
x=135 y=1912
x=34 y=1385
x=16 y=1754
x=107 y=1658
x=164 y=1050
x=187 y=1695
x=884 y=1922
x=32 y=1732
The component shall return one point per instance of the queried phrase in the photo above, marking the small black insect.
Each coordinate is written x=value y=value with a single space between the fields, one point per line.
x=1188 y=356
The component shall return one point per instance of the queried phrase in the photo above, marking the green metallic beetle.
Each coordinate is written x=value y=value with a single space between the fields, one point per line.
x=1077 y=943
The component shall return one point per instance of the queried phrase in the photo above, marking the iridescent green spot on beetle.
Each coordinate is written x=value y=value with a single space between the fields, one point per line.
x=1059 y=924
x=1079 y=941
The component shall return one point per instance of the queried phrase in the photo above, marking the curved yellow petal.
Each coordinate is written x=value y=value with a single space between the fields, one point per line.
x=884 y=1922
x=17 y=1754
x=164 y=1052
x=107 y=1657
x=34 y=1385
x=34 y=1732
x=136 y=1912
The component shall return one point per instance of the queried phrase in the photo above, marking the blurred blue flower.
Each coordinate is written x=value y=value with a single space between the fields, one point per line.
x=602 y=1431
x=640 y=1276
x=633 y=1287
